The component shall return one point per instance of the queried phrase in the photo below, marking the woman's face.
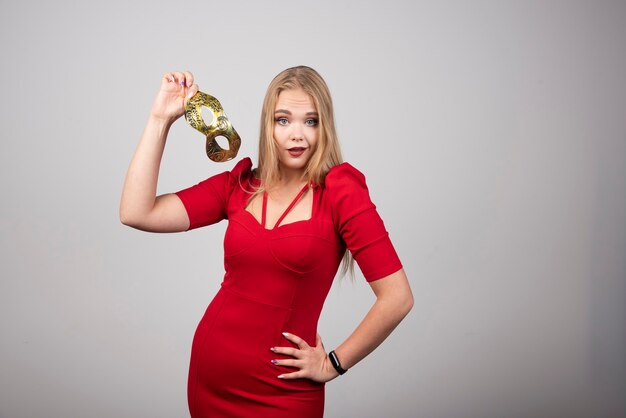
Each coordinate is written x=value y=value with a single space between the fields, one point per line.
x=296 y=128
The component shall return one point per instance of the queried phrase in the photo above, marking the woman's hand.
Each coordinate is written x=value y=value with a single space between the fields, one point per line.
x=176 y=89
x=313 y=362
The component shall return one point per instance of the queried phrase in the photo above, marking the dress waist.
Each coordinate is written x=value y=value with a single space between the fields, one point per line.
x=300 y=321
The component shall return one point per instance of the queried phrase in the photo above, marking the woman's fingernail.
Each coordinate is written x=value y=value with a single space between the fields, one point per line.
x=272 y=349
x=281 y=376
x=286 y=334
x=182 y=83
x=274 y=361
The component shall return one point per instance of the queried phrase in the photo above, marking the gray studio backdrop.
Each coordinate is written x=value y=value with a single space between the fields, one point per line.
x=493 y=137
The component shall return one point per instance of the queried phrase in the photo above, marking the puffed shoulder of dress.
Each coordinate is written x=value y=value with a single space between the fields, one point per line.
x=207 y=201
x=359 y=224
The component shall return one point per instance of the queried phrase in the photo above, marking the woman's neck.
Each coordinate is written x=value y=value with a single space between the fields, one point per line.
x=290 y=182
x=291 y=179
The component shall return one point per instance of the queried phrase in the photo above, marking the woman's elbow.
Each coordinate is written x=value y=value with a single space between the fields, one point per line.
x=406 y=303
x=124 y=219
x=125 y=215
x=128 y=218
x=128 y=222
x=404 y=295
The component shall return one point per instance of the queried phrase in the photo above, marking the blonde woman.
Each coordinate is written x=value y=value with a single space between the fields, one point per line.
x=291 y=221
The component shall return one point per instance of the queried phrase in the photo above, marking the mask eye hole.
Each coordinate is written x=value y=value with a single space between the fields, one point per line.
x=222 y=142
x=207 y=115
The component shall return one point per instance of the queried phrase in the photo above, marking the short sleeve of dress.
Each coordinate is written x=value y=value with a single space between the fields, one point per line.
x=206 y=203
x=359 y=224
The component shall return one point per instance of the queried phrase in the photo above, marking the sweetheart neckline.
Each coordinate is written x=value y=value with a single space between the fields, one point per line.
x=276 y=227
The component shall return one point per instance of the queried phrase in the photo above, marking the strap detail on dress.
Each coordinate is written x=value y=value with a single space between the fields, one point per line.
x=264 y=210
x=293 y=203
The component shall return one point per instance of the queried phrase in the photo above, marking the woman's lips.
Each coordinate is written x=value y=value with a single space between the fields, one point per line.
x=296 y=151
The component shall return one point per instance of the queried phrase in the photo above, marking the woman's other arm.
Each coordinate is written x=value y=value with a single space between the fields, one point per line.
x=394 y=300
x=140 y=208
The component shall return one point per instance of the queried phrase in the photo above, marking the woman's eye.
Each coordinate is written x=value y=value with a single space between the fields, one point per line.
x=282 y=121
x=311 y=122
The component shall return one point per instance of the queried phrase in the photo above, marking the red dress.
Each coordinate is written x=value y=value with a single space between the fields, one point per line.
x=276 y=280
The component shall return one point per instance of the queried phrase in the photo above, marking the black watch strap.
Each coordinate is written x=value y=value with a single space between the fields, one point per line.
x=335 y=362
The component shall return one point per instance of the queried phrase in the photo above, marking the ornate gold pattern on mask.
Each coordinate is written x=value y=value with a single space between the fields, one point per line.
x=220 y=126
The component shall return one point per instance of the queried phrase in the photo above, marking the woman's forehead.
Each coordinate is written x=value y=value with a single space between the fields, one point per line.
x=295 y=99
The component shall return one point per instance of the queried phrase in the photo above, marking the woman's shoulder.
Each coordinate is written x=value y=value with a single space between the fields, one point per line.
x=242 y=168
x=347 y=192
x=344 y=174
x=225 y=180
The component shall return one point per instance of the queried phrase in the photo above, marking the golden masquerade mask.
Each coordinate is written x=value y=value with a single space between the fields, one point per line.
x=220 y=126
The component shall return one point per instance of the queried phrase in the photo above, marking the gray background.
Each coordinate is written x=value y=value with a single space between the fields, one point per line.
x=493 y=137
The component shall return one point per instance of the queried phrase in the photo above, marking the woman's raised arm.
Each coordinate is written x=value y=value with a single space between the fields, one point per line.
x=140 y=207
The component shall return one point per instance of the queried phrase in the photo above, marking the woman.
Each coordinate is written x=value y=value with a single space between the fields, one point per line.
x=256 y=352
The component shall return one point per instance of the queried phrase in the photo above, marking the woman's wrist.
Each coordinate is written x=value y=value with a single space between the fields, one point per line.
x=336 y=363
x=329 y=370
x=162 y=122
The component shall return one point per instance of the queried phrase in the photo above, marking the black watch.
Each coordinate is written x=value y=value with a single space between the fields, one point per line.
x=335 y=362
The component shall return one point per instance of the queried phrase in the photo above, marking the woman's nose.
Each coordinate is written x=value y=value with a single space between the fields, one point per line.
x=296 y=132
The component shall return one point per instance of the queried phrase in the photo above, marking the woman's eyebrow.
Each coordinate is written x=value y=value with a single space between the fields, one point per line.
x=287 y=112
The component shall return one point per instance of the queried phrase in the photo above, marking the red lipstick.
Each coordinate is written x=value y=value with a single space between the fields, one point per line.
x=296 y=151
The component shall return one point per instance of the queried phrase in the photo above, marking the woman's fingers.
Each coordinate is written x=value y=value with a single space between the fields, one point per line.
x=312 y=361
x=288 y=351
x=295 y=375
x=173 y=77
x=300 y=352
x=192 y=90
x=287 y=362
x=180 y=83
x=183 y=80
x=189 y=83
x=188 y=77
x=176 y=89
x=176 y=77
x=296 y=340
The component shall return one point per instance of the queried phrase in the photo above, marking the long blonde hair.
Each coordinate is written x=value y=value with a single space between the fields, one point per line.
x=327 y=153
